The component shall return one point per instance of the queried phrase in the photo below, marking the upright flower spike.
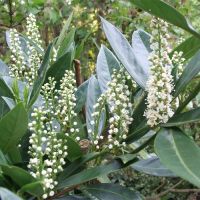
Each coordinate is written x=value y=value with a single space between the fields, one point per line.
x=47 y=151
x=159 y=85
x=66 y=104
x=18 y=64
x=118 y=99
x=34 y=57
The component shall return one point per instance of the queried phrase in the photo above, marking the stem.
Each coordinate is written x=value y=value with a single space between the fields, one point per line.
x=10 y=12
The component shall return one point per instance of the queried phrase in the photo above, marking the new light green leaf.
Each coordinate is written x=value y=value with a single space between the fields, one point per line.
x=179 y=153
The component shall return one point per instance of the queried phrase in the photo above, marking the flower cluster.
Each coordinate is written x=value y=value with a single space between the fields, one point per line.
x=33 y=55
x=18 y=64
x=117 y=97
x=47 y=151
x=66 y=104
x=178 y=62
x=159 y=85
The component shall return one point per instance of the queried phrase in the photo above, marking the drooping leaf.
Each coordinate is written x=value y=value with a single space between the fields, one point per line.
x=106 y=62
x=93 y=93
x=133 y=63
x=89 y=174
x=5 y=194
x=41 y=76
x=191 y=70
x=110 y=191
x=18 y=175
x=152 y=166
x=12 y=127
x=189 y=47
x=166 y=12
x=179 y=153
x=81 y=96
x=183 y=118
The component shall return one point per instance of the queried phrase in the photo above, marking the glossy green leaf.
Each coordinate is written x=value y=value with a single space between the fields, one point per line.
x=73 y=197
x=5 y=194
x=74 y=150
x=69 y=170
x=34 y=189
x=12 y=127
x=179 y=153
x=184 y=118
x=191 y=70
x=81 y=96
x=3 y=160
x=106 y=62
x=189 y=47
x=133 y=63
x=89 y=174
x=41 y=76
x=17 y=174
x=164 y=11
x=152 y=166
x=93 y=93
x=59 y=67
x=110 y=191
x=125 y=158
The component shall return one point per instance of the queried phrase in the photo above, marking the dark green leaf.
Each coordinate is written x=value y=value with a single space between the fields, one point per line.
x=59 y=67
x=191 y=70
x=106 y=62
x=5 y=89
x=17 y=174
x=74 y=150
x=179 y=153
x=110 y=191
x=89 y=174
x=34 y=189
x=3 y=107
x=41 y=76
x=12 y=127
x=164 y=11
x=134 y=64
x=189 y=47
x=3 y=160
x=81 y=96
x=152 y=166
x=183 y=118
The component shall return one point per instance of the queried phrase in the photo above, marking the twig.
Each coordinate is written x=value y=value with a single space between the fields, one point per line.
x=184 y=190
x=163 y=193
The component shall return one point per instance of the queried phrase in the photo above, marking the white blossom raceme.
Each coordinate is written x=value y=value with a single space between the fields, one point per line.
x=159 y=85
x=18 y=64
